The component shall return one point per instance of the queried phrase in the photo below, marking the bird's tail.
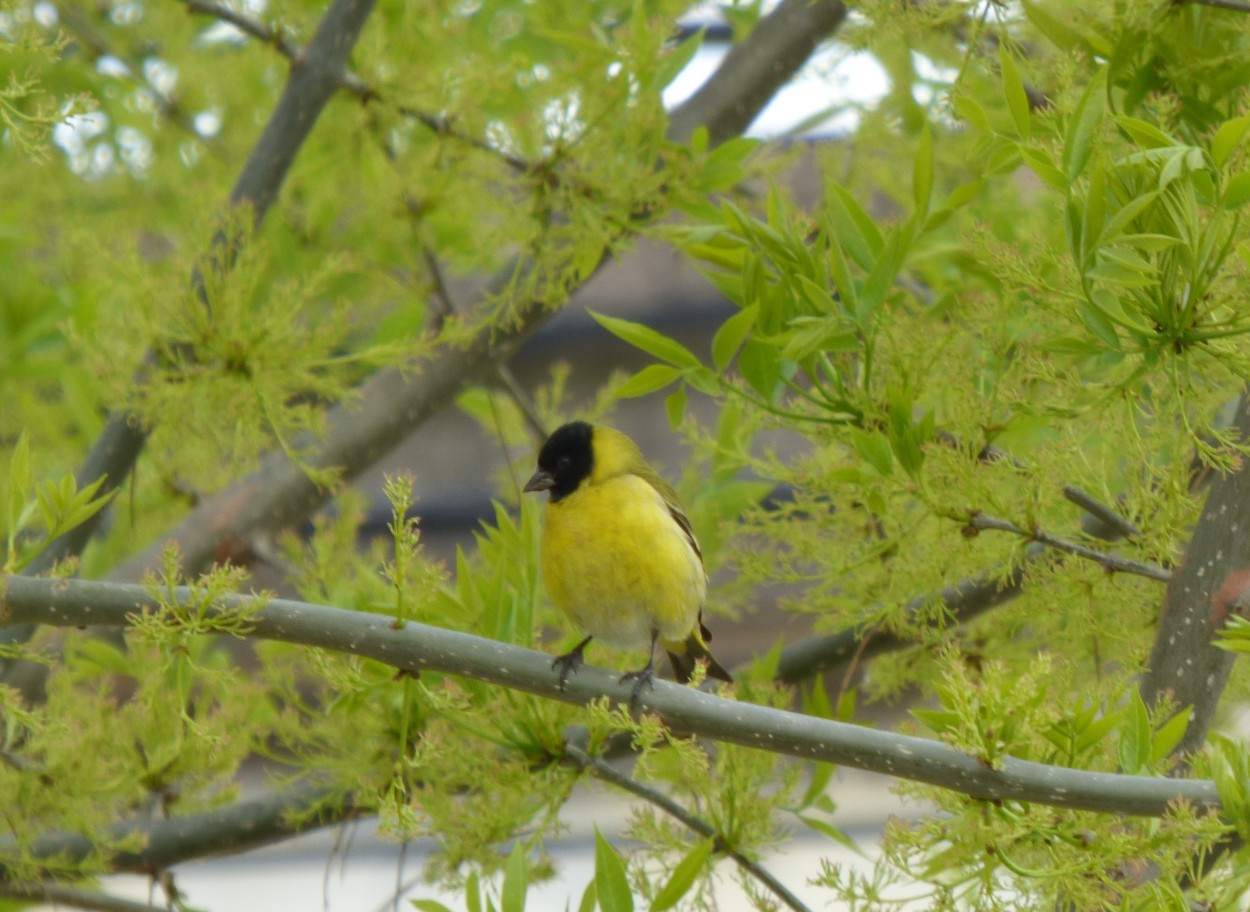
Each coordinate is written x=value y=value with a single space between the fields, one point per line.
x=690 y=651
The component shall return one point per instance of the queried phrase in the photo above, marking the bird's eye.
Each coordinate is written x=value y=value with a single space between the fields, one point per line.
x=563 y=463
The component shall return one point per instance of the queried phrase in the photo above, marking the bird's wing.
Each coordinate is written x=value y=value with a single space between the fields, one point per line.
x=674 y=507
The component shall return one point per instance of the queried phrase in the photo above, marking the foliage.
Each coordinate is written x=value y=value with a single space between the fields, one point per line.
x=1025 y=276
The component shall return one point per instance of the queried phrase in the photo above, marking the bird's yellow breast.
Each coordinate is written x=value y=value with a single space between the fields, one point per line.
x=616 y=562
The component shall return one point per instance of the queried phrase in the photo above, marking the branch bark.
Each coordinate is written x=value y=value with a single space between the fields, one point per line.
x=236 y=828
x=755 y=68
x=1184 y=665
x=418 y=647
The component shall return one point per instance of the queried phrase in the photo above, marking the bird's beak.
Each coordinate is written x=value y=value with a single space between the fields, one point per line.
x=540 y=481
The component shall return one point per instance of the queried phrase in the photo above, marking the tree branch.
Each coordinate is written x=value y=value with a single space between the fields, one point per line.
x=57 y=896
x=1184 y=665
x=609 y=773
x=1112 y=562
x=418 y=647
x=236 y=828
x=277 y=38
x=755 y=68
x=1101 y=512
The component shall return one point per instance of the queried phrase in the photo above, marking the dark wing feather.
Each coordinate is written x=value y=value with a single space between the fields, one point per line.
x=682 y=520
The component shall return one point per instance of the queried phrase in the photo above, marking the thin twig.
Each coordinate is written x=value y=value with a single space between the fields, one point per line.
x=94 y=41
x=981 y=522
x=446 y=307
x=1101 y=511
x=247 y=25
x=350 y=82
x=521 y=399
x=608 y=773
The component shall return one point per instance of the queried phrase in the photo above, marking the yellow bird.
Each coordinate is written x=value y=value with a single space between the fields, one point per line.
x=618 y=555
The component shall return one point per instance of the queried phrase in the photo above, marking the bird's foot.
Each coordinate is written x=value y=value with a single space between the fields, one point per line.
x=643 y=677
x=568 y=663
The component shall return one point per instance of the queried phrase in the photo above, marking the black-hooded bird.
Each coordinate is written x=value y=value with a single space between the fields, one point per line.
x=619 y=557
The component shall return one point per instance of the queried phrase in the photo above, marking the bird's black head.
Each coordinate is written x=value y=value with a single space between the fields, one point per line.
x=565 y=460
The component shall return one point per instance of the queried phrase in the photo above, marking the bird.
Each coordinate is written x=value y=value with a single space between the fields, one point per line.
x=618 y=555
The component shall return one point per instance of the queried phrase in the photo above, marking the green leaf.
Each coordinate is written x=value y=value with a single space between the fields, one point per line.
x=21 y=481
x=969 y=109
x=1128 y=212
x=683 y=876
x=1082 y=126
x=590 y=899
x=676 y=59
x=937 y=721
x=723 y=167
x=1058 y=32
x=1044 y=167
x=1116 y=271
x=1144 y=134
x=842 y=279
x=516 y=880
x=429 y=905
x=648 y=380
x=1234 y=636
x=105 y=656
x=1013 y=92
x=874 y=449
x=652 y=342
x=730 y=336
x=828 y=829
x=675 y=407
x=1134 y=749
x=880 y=279
x=1236 y=191
x=760 y=368
x=1098 y=324
x=1227 y=138
x=611 y=884
x=853 y=228
x=904 y=440
x=813 y=334
x=922 y=173
x=1168 y=735
x=965 y=193
x=1093 y=217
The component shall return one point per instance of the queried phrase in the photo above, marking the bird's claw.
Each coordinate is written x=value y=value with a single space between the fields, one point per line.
x=566 y=664
x=643 y=677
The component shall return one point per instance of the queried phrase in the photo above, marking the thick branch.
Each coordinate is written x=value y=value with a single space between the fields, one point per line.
x=58 y=896
x=755 y=68
x=237 y=828
x=418 y=647
x=1184 y=666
